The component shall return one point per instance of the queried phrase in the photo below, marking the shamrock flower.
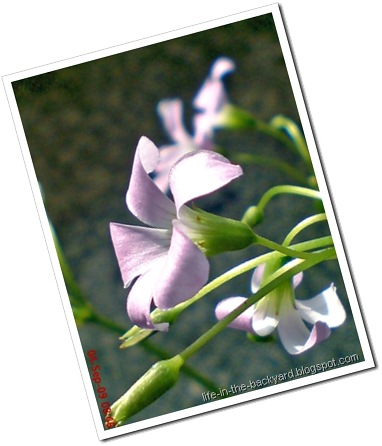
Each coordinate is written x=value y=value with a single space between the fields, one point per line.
x=166 y=259
x=280 y=309
x=209 y=100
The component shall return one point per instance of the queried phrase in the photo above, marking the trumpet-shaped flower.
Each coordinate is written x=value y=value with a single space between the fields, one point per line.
x=280 y=309
x=167 y=264
x=208 y=101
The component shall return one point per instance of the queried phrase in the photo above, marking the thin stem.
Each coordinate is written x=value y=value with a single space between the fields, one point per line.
x=236 y=118
x=287 y=189
x=288 y=273
x=275 y=133
x=249 y=158
x=157 y=351
x=282 y=122
x=164 y=315
x=73 y=289
x=303 y=225
x=280 y=248
x=189 y=371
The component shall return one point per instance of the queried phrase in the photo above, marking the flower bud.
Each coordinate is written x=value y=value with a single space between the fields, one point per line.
x=153 y=384
x=253 y=216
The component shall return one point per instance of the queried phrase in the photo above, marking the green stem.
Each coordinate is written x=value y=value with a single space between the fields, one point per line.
x=157 y=351
x=280 y=248
x=275 y=133
x=278 y=279
x=282 y=122
x=158 y=316
x=237 y=118
x=287 y=189
x=73 y=289
x=249 y=158
x=303 y=225
x=189 y=371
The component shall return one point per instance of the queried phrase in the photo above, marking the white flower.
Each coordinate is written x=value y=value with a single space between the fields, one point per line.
x=280 y=309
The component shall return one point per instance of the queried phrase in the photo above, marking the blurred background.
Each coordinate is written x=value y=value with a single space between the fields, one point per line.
x=82 y=125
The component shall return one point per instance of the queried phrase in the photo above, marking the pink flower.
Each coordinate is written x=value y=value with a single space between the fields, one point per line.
x=167 y=267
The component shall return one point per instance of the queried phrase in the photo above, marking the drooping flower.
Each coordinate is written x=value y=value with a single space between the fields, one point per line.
x=168 y=259
x=280 y=309
x=209 y=100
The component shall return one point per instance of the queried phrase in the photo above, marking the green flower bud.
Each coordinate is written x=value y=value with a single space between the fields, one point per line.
x=253 y=216
x=154 y=383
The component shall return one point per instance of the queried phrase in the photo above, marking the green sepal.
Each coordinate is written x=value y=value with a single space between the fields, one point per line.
x=214 y=234
x=256 y=338
x=134 y=336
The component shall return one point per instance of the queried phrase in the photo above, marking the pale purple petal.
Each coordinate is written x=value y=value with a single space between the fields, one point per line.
x=297 y=279
x=257 y=277
x=211 y=96
x=200 y=173
x=294 y=335
x=203 y=130
x=169 y=155
x=171 y=113
x=184 y=274
x=138 y=248
x=243 y=321
x=265 y=319
x=140 y=298
x=221 y=67
x=144 y=199
x=325 y=307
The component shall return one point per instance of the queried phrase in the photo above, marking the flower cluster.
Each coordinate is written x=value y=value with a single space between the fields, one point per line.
x=166 y=262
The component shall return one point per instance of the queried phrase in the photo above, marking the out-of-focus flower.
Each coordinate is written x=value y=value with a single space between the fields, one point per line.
x=281 y=309
x=168 y=260
x=171 y=113
x=209 y=101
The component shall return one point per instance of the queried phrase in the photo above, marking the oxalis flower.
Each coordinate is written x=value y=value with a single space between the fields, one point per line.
x=281 y=309
x=168 y=259
x=209 y=100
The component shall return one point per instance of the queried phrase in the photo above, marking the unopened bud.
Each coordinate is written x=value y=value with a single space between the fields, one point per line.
x=253 y=216
x=154 y=383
